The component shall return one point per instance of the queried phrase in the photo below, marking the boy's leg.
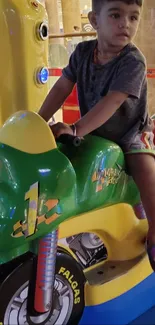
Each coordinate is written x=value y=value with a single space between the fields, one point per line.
x=142 y=168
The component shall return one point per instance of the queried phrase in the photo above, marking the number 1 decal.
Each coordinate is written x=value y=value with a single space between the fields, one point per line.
x=32 y=196
x=28 y=227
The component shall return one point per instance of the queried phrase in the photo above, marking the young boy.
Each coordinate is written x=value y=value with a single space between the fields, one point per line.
x=110 y=73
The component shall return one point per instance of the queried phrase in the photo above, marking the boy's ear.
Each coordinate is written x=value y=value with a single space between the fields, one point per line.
x=92 y=19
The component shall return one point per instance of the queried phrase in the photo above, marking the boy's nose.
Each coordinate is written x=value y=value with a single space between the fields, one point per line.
x=124 y=23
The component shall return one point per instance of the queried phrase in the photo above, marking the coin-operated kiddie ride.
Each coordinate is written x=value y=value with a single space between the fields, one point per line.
x=71 y=246
x=72 y=227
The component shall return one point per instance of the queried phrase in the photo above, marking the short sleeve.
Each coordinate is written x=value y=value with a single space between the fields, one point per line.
x=129 y=77
x=70 y=71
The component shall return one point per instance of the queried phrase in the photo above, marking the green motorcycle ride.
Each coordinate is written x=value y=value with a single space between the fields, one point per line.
x=43 y=185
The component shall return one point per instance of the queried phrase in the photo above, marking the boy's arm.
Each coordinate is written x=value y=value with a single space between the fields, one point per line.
x=58 y=94
x=128 y=82
x=100 y=113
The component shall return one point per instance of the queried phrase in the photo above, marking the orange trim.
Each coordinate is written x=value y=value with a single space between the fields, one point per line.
x=151 y=76
x=151 y=73
x=57 y=72
x=70 y=108
x=70 y=117
x=150 y=70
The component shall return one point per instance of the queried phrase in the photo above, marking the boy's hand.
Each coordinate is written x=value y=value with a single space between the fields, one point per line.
x=60 y=128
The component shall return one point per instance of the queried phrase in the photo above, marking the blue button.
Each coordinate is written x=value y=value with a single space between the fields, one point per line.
x=43 y=75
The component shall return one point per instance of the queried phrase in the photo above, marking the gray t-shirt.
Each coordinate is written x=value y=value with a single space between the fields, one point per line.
x=125 y=73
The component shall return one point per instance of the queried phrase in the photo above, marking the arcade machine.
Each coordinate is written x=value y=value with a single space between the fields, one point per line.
x=23 y=56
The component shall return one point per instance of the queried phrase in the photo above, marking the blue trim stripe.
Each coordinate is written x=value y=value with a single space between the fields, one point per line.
x=125 y=308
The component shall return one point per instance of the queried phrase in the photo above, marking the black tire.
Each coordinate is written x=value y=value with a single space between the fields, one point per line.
x=14 y=291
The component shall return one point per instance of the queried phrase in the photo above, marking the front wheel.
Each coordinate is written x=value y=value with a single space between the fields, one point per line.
x=68 y=295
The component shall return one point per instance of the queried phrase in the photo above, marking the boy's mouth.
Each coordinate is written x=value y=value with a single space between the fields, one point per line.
x=126 y=35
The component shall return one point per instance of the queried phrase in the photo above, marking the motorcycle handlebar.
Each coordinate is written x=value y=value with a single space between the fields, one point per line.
x=69 y=139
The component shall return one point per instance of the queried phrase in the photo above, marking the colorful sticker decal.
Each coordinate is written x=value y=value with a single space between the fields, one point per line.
x=32 y=197
x=106 y=176
x=29 y=226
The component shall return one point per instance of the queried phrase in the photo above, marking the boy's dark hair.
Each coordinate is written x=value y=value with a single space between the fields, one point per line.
x=97 y=4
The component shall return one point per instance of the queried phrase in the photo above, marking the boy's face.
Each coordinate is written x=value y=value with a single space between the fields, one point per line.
x=117 y=23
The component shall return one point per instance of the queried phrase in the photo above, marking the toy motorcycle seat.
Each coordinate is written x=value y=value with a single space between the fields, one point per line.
x=27 y=132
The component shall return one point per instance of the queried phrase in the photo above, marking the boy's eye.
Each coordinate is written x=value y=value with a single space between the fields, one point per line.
x=115 y=16
x=134 y=18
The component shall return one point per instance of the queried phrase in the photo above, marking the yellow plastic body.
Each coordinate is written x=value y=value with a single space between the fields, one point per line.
x=22 y=54
x=123 y=235
x=19 y=130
